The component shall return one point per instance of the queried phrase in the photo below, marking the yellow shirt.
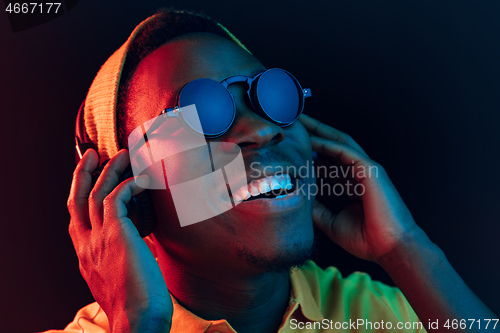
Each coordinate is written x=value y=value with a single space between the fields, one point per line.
x=320 y=301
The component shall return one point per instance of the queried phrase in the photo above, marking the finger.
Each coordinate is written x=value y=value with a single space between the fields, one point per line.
x=114 y=203
x=106 y=183
x=336 y=175
x=348 y=223
x=81 y=187
x=343 y=153
x=338 y=226
x=319 y=129
x=323 y=218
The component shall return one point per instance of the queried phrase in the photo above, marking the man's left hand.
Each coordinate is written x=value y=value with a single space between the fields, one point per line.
x=374 y=223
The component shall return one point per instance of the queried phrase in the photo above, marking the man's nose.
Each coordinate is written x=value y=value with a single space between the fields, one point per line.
x=252 y=130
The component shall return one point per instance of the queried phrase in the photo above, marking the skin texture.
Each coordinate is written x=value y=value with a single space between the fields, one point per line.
x=203 y=264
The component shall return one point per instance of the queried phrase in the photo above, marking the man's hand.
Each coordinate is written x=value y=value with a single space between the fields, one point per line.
x=119 y=268
x=374 y=223
x=378 y=226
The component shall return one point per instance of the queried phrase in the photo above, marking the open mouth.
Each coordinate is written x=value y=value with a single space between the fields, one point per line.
x=274 y=187
x=274 y=194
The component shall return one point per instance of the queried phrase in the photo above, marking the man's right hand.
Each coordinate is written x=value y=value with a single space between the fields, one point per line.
x=119 y=268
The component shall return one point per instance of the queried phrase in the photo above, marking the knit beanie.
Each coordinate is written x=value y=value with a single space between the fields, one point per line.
x=100 y=111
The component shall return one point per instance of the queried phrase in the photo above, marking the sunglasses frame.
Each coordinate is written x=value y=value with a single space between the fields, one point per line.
x=176 y=111
x=254 y=98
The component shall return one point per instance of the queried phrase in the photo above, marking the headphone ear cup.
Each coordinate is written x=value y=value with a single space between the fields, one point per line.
x=140 y=208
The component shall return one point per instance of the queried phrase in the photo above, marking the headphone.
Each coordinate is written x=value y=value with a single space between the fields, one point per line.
x=140 y=208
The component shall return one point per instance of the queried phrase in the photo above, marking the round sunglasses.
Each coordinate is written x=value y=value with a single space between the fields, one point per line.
x=274 y=94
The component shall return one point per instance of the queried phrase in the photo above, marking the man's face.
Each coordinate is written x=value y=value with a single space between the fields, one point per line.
x=257 y=235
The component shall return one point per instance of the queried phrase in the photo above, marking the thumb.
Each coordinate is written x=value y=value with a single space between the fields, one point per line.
x=323 y=218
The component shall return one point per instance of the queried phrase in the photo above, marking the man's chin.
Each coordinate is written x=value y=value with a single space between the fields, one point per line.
x=281 y=260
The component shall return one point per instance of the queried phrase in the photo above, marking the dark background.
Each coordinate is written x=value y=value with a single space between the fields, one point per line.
x=416 y=84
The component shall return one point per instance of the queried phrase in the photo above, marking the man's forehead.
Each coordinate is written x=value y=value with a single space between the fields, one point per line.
x=200 y=55
x=161 y=74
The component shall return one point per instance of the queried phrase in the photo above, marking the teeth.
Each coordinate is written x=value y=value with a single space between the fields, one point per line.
x=254 y=190
x=237 y=198
x=241 y=194
x=262 y=186
x=275 y=184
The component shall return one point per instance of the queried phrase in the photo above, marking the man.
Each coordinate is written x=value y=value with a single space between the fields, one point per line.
x=233 y=271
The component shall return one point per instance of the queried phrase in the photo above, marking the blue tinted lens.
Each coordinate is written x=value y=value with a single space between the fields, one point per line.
x=214 y=105
x=279 y=95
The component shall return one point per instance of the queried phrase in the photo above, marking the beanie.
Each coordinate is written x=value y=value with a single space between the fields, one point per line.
x=100 y=111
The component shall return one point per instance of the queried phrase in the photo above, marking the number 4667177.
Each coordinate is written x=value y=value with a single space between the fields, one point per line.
x=33 y=7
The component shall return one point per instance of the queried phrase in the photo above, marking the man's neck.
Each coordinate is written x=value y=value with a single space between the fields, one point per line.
x=253 y=304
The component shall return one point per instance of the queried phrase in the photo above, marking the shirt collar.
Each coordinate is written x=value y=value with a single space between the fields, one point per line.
x=301 y=297
x=302 y=293
x=184 y=320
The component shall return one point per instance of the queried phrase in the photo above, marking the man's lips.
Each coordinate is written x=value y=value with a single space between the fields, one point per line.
x=269 y=189
x=263 y=186
x=291 y=201
x=257 y=179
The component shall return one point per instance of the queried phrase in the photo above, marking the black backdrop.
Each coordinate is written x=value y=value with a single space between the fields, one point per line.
x=416 y=84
